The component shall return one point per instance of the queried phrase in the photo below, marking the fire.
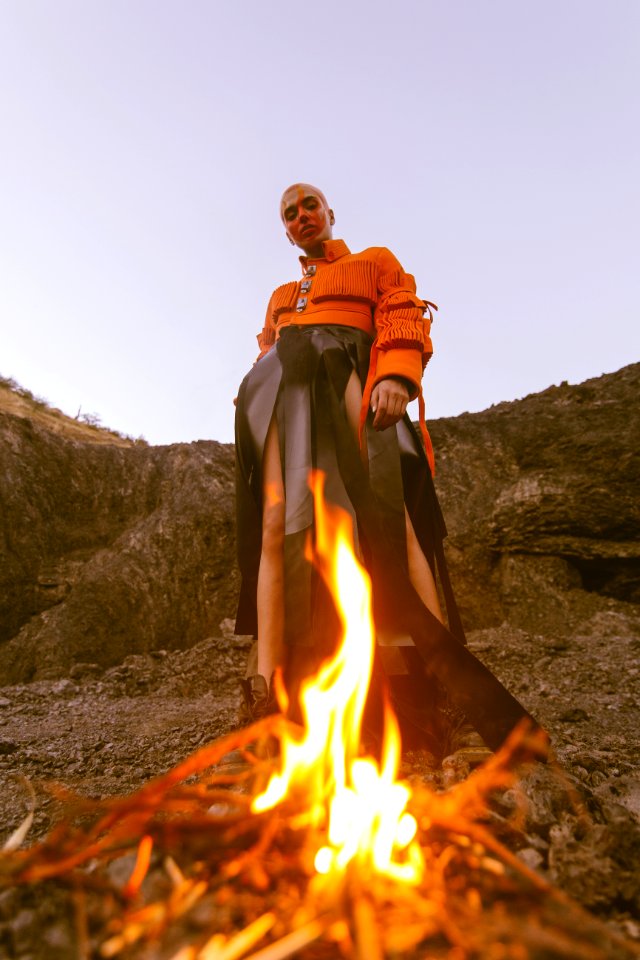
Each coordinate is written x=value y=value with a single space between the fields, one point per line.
x=375 y=893
x=355 y=799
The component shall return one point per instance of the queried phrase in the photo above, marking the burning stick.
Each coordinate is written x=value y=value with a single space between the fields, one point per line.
x=236 y=947
x=293 y=942
x=143 y=860
x=18 y=836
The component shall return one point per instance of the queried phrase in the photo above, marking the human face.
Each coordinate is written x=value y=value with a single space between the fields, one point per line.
x=307 y=218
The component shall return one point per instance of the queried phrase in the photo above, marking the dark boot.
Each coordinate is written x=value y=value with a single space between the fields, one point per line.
x=467 y=750
x=258 y=699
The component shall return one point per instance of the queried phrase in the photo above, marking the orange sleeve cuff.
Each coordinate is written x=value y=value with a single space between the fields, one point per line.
x=403 y=362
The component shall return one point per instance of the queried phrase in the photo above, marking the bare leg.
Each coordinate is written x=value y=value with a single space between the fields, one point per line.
x=420 y=572
x=419 y=569
x=270 y=595
x=353 y=404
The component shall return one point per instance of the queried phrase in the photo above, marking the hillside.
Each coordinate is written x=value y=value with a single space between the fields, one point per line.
x=18 y=402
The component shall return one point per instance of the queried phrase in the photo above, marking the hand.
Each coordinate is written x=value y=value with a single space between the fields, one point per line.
x=389 y=400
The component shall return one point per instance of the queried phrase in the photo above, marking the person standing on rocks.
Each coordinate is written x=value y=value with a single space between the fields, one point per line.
x=342 y=352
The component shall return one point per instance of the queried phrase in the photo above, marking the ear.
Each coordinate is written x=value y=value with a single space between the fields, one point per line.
x=332 y=217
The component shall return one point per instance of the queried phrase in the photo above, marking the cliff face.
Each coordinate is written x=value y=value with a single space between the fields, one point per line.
x=541 y=501
x=109 y=548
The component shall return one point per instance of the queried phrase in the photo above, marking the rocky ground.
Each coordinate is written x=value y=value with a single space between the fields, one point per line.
x=107 y=732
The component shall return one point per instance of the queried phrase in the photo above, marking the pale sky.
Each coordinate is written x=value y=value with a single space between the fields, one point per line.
x=493 y=145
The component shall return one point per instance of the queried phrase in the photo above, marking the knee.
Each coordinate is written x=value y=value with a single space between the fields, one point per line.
x=412 y=540
x=273 y=529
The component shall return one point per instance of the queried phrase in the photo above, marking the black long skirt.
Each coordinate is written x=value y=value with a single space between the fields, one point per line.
x=302 y=382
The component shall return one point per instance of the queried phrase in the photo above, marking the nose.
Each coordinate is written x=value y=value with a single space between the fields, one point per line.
x=303 y=216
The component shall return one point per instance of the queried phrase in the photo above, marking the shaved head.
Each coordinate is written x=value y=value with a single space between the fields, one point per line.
x=307 y=217
x=299 y=190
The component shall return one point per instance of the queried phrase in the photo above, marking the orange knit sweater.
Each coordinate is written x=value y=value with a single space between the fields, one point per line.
x=367 y=290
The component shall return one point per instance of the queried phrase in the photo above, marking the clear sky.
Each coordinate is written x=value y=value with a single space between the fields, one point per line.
x=493 y=145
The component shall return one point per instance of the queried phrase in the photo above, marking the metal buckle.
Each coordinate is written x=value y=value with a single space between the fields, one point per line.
x=301 y=304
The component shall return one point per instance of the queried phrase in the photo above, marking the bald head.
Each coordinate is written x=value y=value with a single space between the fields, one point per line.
x=307 y=217
x=298 y=191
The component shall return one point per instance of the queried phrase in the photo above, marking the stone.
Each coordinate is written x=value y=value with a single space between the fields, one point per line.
x=24 y=929
x=575 y=715
x=531 y=857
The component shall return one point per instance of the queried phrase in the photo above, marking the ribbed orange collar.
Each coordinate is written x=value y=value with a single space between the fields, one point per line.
x=333 y=250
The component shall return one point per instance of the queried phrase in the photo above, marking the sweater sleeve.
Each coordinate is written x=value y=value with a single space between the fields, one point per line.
x=282 y=300
x=402 y=329
x=267 y=336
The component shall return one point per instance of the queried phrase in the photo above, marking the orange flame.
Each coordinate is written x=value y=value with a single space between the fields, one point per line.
x=356 y=799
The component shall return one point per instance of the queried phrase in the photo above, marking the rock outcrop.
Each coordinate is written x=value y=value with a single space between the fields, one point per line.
x=110 y=548
x=541 y=501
